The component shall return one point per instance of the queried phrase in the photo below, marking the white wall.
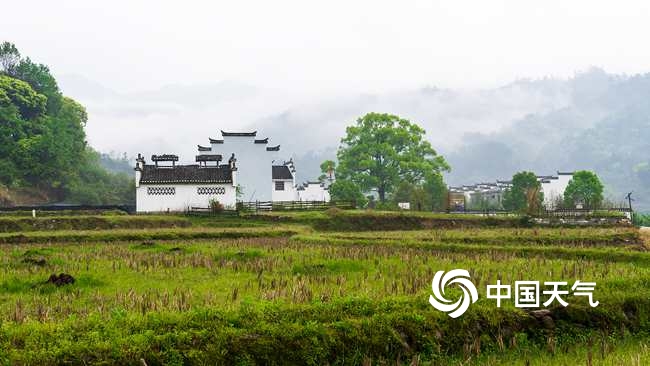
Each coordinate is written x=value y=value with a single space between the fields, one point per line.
x=314 y=192
x=186 y=196
x=253 y=165
x=554 y=189
x=289 y=194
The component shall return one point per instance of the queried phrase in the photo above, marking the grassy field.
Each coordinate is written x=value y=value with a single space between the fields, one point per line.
x=288 y=289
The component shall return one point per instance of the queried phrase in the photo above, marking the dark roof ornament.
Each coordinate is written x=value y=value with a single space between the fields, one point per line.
x=164 y=157
x=139 y=162
x=214 y=157
x=238 y=134
x=232 y=162
x=204 y=159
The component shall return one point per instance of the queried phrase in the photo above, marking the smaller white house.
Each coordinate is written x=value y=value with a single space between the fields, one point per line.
x=284 y=182
x=165 y=186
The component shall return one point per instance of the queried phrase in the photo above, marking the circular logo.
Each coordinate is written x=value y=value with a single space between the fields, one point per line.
x=438 y=301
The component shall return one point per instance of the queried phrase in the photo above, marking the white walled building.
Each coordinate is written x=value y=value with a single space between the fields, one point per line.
x=554 y=187
x=161 y=188
x=258 y=175
x=254 y=159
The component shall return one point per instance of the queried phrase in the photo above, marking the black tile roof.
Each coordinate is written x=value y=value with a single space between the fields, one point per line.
x=186 y=174
x=281 y=172
x=203 y=148
x=273 y=148
x=262 y=141
x=238 y=133
x=215 y=141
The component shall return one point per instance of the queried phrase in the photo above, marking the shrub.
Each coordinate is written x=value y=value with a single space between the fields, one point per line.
x=641 y=219
x=216 y=206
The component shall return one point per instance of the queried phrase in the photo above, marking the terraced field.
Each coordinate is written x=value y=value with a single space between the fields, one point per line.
x=293 y=290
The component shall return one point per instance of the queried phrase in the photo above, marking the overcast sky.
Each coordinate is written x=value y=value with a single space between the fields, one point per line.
x=307 y=46
x=163 y=76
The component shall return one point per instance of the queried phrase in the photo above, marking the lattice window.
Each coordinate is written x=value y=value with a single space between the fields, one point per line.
x=211 y=190
x=279 y=186
x=161 y=191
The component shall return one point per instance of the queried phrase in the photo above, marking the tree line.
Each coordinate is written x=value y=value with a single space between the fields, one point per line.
x=387 y=157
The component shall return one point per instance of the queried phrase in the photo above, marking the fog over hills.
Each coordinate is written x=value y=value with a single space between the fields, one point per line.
x=593 y=120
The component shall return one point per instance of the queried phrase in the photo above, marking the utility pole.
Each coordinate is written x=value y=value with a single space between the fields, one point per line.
x=629 y=200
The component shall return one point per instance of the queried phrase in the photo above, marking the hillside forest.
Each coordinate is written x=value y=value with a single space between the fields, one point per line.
x=44 y=156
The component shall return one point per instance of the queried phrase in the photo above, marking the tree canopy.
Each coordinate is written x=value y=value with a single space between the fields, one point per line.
x=326 y=168
x=584 y=188
x=381 y=150
x=345 y=190
x=525 y=195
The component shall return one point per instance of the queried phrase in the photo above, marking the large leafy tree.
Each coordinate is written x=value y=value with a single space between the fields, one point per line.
x=525 y=195
x=381 y=150
x=584 y=188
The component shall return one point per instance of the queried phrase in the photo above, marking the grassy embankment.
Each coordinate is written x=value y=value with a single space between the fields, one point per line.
x=217 y=291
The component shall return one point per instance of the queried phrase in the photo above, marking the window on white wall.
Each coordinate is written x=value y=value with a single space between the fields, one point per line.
x=279 y=186
x=156 y=191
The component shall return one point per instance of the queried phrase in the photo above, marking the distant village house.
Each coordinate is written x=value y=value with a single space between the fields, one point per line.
x=490 y=195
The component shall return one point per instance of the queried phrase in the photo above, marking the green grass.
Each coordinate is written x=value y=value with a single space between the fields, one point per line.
x=79 y=222
x=283 y=293
x=63 y=236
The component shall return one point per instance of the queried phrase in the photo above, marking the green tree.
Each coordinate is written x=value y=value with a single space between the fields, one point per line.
x=525 y=195
x=381 y=150
x=21 y=119
x=435 y=188
x=346 y=190
x=9 y=57
x=326 y=168
x=40 y=78
x=403 y=192
x=584 y=188
x=19 y=94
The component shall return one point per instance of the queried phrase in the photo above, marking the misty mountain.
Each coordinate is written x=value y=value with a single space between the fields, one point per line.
x=605 y=128
x=593 y=120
